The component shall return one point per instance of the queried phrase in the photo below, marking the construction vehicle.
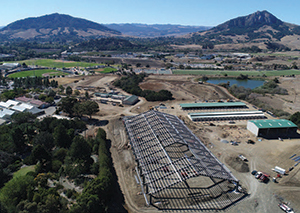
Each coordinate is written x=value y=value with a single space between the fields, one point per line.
x=264 y=177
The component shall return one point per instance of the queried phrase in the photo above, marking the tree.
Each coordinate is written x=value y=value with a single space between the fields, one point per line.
x=295 y=118
x=61 y=88
x=49 y=99
x=87 y=96
x=80 y=149
x=90 y=107
x=78 y=109
x=66 y=105
x=61 y=137
x=18 y=139
x=294 y=66
x=69 y=90
x=51 y=93
x=44 y=139
x=39 y=153
x=23 y=117
x=76 y=92
x=15 y=191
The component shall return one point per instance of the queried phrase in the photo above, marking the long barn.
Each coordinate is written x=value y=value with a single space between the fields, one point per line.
x=213 y=105
x=219 y=116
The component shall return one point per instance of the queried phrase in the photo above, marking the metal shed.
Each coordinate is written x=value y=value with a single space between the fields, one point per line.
x=272 y=127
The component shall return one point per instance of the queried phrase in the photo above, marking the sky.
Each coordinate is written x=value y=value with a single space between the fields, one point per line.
x=184 y=12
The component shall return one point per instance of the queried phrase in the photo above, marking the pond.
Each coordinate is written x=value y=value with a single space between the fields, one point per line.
x=251 y=84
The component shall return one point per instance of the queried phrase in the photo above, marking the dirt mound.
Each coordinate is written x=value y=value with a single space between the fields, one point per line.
x=237 y=164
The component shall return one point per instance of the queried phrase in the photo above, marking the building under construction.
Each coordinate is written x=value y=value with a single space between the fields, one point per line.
x=169 y=156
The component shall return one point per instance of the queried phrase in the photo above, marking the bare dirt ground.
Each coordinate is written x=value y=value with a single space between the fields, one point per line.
x=289 y=103
x=263 y=155
x=67 y=80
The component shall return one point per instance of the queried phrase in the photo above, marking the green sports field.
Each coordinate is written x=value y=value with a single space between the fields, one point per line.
x=107 y=70
x=237 y=73
x=38 y=73
x=57 y=63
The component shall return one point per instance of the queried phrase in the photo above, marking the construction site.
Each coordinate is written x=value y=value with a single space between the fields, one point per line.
x=166 y=159
x=167 y=155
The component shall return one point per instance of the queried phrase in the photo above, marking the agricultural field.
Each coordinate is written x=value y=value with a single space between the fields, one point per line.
x=57 y=63
x=38 y=73
x=253 y=73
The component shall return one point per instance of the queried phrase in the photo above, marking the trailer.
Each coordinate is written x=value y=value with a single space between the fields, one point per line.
x=279 y=170
x=242 y=157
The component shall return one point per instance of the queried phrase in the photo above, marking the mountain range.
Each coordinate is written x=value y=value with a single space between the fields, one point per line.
x=258 y=26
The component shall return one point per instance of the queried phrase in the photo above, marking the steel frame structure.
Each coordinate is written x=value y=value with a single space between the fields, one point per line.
x=168 y=153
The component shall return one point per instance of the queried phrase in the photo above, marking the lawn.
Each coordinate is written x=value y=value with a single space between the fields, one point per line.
x=24 y=171
x=38 y=73
x=107 y=70
x=253 y=73
x=57 y=63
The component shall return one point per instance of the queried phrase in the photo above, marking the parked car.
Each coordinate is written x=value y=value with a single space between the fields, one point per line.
x=254 y=172
x=250 y=141
x=234 y=143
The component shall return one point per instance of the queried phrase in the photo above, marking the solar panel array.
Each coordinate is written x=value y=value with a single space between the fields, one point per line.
x=168 y=153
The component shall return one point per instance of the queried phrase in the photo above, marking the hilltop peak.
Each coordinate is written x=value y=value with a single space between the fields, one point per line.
x=254 y=20
x=56 y=25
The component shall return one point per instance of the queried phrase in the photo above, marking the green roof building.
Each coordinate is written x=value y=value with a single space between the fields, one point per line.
x=272 y=128
x=130 y=100
x=213 y=105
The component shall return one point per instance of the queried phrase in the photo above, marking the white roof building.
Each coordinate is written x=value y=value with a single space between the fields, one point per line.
x=6 y=113
x=12 y=103
x=18 y=108
x=3 y=104
x=12 y=65
x=27 y=106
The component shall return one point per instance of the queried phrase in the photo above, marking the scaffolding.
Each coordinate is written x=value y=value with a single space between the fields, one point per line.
x=168 y=153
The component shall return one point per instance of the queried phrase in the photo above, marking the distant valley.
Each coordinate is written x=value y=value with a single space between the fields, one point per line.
x=155 y=30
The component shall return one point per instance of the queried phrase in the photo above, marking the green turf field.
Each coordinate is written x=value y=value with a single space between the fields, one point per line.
x=24 y=171
x=237 y=73
x=57 y=63
x=38 y=73
x=108 y=70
